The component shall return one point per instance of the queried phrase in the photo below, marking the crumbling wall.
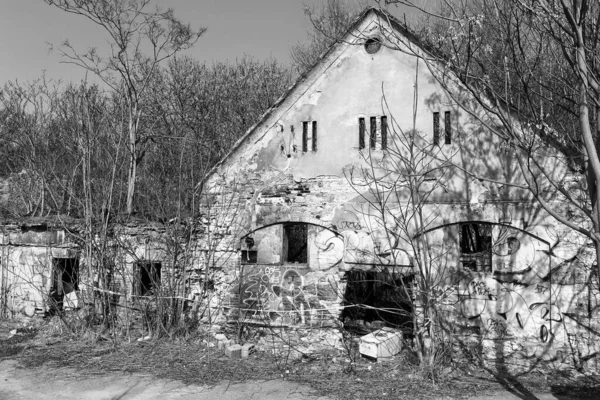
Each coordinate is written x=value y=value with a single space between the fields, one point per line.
x=286 y=171
x=537 y=301
x=28 y=270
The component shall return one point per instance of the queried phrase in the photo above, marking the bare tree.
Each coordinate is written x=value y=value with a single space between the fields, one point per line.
x=330 y=23
x=37 y=165
x=204 y=109
x=139 y=41
x=399 y=173
x=527 y=71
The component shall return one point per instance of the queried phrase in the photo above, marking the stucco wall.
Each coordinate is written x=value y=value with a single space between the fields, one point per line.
x=533 y=295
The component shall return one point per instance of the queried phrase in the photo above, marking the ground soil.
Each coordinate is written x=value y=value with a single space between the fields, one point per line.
x=45 y=362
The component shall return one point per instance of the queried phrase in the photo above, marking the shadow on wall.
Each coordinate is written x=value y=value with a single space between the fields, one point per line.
x=501 y=282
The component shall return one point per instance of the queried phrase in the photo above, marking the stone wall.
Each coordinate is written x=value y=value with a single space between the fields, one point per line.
x=538 y=299
x=30 y=261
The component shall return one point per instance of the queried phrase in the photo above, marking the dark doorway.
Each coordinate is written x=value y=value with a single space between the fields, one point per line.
x=65 y=279
x=147 y=277
x=381 y=296
x=295 y=243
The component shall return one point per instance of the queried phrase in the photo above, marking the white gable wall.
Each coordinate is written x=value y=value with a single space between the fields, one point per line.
x=348 y=84
x=275 y=182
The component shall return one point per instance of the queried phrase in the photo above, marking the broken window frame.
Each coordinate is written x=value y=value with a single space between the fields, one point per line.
x=475 y=245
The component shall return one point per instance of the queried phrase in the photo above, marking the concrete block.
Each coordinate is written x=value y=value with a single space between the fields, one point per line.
x=383 y=343
x=223 y=344
x=247 y=349
x=234 y=351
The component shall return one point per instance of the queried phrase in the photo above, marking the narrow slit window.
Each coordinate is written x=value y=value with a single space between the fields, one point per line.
x=448 y=127
x=361 y=133
x=305 y=136
x=314 y=136
x=373 y=133
x=436 y=128
x=384 y=133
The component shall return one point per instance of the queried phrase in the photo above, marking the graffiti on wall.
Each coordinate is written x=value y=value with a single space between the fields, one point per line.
x=357 y=247
x=285 y=295
x=366 y=242
x=512 y=299
x=329 y=249
x=510 y=309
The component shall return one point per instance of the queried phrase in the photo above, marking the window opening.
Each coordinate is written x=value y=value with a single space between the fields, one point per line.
x=296 y=243
x=361 y=133
x=448 y=127
x=314 y=136
x=249 y=256
x=147 y=277
x=305 y=136
x=436 y=128
x=373 y=133
x=476 y=246
x=373 y=45
x=384 y=132
x=65 y=279
x=377 y=296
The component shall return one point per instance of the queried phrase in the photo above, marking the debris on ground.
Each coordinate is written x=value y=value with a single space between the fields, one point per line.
x=336 y=372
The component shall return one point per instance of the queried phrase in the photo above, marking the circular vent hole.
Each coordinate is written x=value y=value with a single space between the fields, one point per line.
x=372 y=45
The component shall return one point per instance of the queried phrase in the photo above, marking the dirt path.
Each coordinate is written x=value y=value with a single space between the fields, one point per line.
x=506 y=395
x=21 y=383
x=29 y=384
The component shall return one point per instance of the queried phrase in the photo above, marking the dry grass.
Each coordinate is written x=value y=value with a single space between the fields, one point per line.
x=330 y=372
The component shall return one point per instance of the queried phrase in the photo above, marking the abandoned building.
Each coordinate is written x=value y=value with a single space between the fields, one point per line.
x=327 y=227
x=310 y=223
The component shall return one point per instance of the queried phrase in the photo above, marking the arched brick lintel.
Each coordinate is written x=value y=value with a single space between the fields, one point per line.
x=304 y=220
x=482 y=222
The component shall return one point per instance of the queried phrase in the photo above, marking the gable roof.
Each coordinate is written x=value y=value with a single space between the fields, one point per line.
x=313 y=71
x=324 y=61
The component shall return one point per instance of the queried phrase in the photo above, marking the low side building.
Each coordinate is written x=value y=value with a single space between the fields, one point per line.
x=40 y=267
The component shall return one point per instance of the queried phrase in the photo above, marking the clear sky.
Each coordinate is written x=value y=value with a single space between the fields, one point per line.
x=259 y=28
